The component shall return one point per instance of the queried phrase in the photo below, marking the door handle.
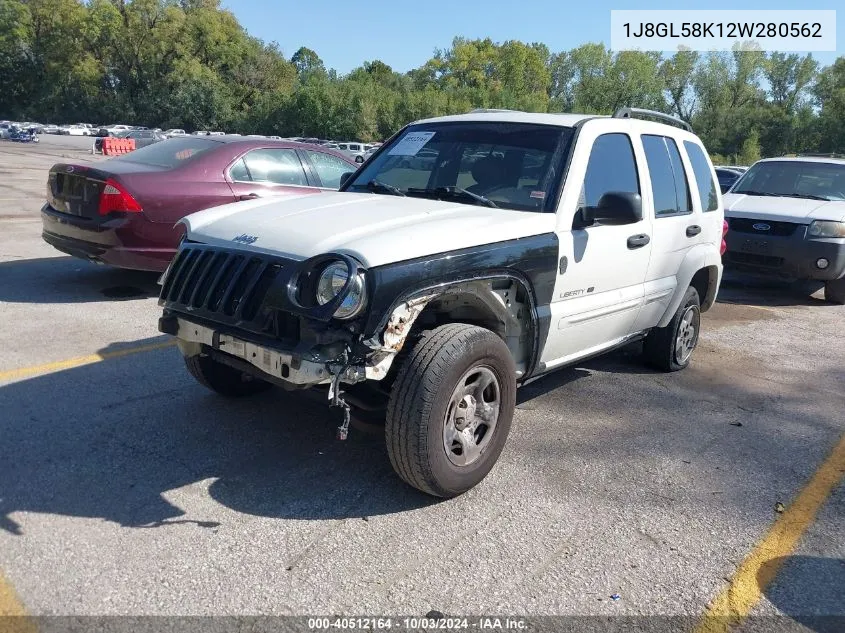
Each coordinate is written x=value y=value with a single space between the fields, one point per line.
x=248 y=196
x=638 y=241
x=693 y=230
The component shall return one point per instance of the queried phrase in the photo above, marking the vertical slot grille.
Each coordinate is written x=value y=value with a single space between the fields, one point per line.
x=228 y=287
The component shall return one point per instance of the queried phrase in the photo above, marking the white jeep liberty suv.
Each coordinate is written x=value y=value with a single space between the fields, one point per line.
x=469 y=255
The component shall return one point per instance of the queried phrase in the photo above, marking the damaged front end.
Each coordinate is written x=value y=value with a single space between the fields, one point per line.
x=294 y=323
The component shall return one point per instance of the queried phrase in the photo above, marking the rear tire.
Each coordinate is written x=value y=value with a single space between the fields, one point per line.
x=670 y=348
x=450 y=409
x=834 y=291
x=222 y=379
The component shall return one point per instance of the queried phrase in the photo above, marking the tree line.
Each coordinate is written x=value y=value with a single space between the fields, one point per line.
x=190 y=64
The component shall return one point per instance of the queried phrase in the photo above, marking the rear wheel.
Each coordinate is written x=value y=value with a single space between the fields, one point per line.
x=451 y=408
x=222 y=379
x=834 y=291
x=670 y=348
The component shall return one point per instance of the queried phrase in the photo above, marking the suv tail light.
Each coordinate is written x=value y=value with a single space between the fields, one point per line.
x=724 y=245
x=115 y=198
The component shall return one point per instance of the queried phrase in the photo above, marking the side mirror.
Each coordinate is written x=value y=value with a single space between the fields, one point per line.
x=614 y=207
x=345 y=176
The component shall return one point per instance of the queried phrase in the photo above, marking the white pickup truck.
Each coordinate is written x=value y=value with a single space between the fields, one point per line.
x=469 y=255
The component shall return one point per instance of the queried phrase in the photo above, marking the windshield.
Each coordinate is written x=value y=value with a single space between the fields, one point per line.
x=498 y=164
x=794 y=179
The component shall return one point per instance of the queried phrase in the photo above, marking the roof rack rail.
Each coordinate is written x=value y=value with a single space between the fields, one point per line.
x=821 y=155
x=629 y=113
x=483 y=110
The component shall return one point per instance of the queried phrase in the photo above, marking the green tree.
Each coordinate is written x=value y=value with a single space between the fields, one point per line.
x=677 y=73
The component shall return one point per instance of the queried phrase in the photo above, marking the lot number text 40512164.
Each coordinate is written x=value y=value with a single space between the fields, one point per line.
x=416 y=623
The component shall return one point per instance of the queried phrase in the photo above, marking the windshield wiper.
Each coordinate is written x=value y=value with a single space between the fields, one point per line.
x=754 y=193
x=376 y=185
x=456 y=192
x=809 y=196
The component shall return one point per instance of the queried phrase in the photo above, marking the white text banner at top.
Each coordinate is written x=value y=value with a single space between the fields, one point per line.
x=723 y=30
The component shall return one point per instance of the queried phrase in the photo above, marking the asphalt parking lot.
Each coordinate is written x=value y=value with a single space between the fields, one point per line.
x=126 y=488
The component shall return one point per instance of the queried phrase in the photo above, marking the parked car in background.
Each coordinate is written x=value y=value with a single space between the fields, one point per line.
x=27 y=134
x=143 y=138
x=174 y=132
x=114 y=129
x=787 y=221
x=123 y=211
x=75 y=130
x=51 y=128
x=727 y=177
x=354 y=150
x=200 y=133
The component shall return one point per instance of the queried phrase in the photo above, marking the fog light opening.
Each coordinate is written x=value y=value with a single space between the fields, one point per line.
x=822 y=263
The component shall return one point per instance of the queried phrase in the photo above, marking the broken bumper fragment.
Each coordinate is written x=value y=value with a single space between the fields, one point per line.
x=283 y=365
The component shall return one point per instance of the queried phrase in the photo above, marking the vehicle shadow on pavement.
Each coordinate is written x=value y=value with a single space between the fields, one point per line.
x=117 y=439
x=770 y=292
x=110 y=439
x=72 y=280
x=808 y=589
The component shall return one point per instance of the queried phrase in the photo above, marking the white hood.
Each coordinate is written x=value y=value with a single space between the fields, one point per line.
x=375 y=229
x=798 y=210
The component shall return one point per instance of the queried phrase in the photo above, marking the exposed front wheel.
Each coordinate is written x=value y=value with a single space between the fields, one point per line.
x=834 y=291
x=670 y=348
x=222 y=379
x=451 y=408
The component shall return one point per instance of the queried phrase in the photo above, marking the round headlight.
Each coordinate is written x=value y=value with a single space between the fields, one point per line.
x=331 y=282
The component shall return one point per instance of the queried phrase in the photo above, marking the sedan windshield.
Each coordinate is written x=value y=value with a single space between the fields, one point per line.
x=794 y=179
x=504 y=165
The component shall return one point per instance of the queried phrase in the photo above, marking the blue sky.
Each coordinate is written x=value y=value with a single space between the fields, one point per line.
x=404 y=34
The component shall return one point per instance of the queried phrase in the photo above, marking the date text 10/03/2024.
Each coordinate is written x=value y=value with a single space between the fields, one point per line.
x=414 y=623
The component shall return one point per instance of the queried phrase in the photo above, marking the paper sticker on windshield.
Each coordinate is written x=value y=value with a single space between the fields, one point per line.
x=411 y=143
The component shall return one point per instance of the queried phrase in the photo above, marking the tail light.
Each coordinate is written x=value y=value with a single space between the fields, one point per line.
x=724 y=245
x=115 y=198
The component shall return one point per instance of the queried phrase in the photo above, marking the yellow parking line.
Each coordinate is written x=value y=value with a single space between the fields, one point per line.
x=753 y=575
x=15 y=374
x=12 y=613
x=9 y=602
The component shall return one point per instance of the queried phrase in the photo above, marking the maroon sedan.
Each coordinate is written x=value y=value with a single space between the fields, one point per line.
x=123 y=211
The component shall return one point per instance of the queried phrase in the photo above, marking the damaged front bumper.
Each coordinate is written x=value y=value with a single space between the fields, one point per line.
x=284 y=366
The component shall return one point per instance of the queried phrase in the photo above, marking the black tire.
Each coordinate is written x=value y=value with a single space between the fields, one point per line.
x=422 y=396
x=222 y=379
x=662 y=348
x=834 y=291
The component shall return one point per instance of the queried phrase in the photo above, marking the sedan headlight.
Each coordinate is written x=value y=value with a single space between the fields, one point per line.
x=332 y=280
x=826 y=228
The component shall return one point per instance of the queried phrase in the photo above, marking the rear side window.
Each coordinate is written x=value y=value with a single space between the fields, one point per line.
x=703 y=176
x=666 y=172
x=277 y=166
x=170 y=153
x=611 y=167
x=239 y=172
x=329 y=168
